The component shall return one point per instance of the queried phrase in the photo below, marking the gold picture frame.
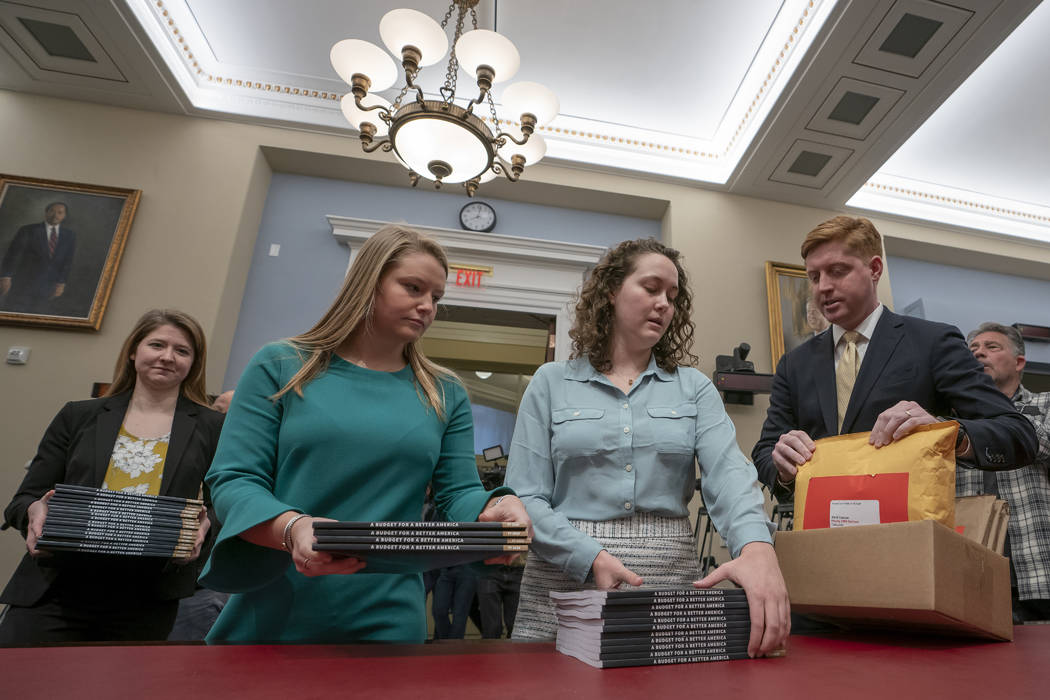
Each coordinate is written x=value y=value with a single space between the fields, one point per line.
x=793 y=319
x=65 y=283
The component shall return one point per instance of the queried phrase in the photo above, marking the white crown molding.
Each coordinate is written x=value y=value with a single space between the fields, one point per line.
x=926 y=201
x=313 y=101
x=348 y=229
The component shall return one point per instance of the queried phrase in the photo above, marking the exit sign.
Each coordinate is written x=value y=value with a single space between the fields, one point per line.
x=470 y=275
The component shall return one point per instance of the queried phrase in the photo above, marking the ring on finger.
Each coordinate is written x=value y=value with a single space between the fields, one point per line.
x=306 y=563
x=907 y=412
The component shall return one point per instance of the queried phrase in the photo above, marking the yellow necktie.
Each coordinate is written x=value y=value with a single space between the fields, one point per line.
x=846 y=372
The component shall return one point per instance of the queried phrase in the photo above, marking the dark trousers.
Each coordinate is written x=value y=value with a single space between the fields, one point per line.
x=197 y=614
x=58 y=621
x=498 y=592
x=1032 y=610
x=453 y=595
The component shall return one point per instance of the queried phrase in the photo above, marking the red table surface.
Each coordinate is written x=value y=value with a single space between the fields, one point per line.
x=888 y=667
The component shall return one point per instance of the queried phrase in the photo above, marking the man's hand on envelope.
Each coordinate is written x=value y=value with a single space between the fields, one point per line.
x=796 y=447
x=792 y=449
x=897 y=421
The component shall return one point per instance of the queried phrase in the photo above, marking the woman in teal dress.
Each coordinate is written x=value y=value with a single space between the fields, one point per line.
x=348 y=421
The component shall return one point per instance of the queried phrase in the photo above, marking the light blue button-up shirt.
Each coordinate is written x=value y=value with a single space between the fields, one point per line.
x=583 y=449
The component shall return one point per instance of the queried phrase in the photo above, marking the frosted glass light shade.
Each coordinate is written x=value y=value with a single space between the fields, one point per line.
x=482 y=47
x=404 y=27
x=533 y=150
x=536 y=99
x=422 y=140
x=487 y=176
x=355 y=116
x=351 y=56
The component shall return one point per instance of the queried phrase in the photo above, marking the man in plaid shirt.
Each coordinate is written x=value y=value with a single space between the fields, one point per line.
x=1027 y=489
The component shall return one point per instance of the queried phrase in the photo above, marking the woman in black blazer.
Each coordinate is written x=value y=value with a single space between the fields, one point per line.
x=151 y=433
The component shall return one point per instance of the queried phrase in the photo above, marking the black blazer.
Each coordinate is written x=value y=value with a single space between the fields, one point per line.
x=76 y=449
x=908 y=359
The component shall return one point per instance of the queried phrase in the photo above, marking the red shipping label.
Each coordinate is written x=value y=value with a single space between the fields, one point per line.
x=890 y=490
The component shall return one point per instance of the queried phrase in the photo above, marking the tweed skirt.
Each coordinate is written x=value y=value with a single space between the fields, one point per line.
x=661 y=550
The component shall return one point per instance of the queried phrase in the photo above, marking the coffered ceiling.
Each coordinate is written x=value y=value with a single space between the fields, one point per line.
x=920 y=108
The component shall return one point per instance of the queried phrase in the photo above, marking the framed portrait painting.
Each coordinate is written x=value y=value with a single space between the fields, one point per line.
x=60 y=247
x=793 y=317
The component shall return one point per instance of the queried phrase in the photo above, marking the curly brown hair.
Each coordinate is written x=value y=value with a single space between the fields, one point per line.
x=593 y=326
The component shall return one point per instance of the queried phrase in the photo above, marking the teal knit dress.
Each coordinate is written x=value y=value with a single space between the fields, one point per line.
x=359 y=445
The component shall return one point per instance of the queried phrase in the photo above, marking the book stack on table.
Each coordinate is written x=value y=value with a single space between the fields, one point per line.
x=413 y=547
x=90 y=520
x=643 y=627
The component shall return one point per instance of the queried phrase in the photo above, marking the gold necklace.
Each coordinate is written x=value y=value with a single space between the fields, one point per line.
x=630 y=380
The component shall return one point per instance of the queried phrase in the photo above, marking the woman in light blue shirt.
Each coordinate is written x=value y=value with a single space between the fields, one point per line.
x=604 y=448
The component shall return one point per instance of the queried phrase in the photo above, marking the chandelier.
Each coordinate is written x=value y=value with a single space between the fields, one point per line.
x=438 y=139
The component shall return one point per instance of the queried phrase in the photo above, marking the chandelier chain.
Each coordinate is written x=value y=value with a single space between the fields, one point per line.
x=448 y=14
x=397 y=103
x=495 y=119
x=448 y=90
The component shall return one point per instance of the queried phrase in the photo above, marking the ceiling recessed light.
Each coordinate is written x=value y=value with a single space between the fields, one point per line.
x=910 y=35
x=58 y=40
x=483 y=375
x=809 y=163
x=853 y=108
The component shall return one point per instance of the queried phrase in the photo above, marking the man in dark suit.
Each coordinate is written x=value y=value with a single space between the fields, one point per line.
x=37 y=263
x=873 y=370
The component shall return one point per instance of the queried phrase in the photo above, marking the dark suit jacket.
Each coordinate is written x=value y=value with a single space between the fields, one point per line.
x=34 y=272
x=76 y=449
x=908 y=359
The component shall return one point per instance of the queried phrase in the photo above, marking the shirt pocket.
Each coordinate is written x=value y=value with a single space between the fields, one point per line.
x=673 y=427
x=577 y=432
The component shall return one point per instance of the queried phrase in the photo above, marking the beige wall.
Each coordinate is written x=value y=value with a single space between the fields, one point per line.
x=204 y=182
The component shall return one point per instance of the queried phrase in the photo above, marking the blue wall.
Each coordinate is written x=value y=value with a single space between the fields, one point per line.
x=965 y=297
x=285 y=295
x=492 y=427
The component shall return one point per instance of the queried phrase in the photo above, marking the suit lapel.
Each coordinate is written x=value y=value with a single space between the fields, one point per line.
x=106 y=430
x=40 y=241
x=884 y=341
x=182 y=427
x=823 y=365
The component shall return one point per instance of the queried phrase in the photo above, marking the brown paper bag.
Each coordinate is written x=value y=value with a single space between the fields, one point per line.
x=1002 y=518
x=976 y=516
x=849 y=482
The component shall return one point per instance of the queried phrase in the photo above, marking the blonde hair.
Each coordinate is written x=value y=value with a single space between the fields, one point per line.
x=353 y=307
x=192 y=386
x=858 y=235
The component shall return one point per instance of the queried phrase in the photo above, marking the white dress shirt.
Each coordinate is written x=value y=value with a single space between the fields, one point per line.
x=865 y=328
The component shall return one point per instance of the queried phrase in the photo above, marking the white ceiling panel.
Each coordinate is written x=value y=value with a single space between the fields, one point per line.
x=982 y=160
x=1001 y=114
x=625 y=63
x=287 y=36
x=797 y=100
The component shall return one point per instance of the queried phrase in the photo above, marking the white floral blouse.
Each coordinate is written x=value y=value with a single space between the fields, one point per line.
x=136 y=465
